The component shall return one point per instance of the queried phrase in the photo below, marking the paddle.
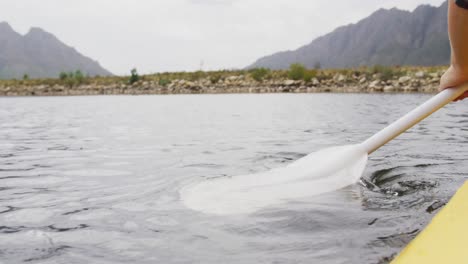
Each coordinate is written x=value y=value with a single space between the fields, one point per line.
x=322 y=171
x=412 y=118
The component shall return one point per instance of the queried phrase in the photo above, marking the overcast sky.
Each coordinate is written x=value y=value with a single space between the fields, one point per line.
x=177 y=35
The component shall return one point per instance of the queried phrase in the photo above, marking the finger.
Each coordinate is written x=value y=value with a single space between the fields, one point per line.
x=463 y=96
x=446 y=82
x=451 y=79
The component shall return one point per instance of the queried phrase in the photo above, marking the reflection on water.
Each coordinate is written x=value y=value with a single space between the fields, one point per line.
x=97 y=179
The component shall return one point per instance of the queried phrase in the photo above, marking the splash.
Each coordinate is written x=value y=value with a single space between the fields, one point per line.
x=319 y=172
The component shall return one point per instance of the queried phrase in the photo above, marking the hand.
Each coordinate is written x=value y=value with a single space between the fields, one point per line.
x=452 y=78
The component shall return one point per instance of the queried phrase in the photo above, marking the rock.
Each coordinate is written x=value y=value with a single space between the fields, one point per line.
x=404 y=79
x=363 y=80
x=377 y=89
x=39 y=88
x=57 y=88
x=420 y=74
x=339 y=78
x=415 y=83
x=315 y=81
x=435 y=75
x=375 y=84
x=389 y=88
x=289 y=82
x=410 y=88
x=190 y=85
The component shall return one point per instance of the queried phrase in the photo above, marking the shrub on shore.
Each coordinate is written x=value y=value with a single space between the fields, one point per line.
x=195 y=76
x=259 y=74
x=164 y=82
x=385 y=72
x=72 y=78
x=297 y=72
x=134 y=77
x=215 y=78
x=309 y=75
x=300 y=72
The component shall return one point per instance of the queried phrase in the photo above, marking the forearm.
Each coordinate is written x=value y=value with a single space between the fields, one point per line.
x=458 y=33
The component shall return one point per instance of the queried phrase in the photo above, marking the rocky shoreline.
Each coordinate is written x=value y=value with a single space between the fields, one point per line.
x=421 y=81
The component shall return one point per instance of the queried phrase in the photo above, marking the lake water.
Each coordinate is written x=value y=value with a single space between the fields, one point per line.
x=98 y=179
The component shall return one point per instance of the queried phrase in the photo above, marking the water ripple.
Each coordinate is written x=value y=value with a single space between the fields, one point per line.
x=98 y=179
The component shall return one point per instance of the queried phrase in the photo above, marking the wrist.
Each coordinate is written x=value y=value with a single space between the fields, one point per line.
x=460 y=68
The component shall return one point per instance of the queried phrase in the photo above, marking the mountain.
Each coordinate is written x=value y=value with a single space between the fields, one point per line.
x=386 y=37
x=40 y=54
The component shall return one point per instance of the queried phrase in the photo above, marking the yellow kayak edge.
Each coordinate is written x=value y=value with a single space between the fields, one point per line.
x=445 y=239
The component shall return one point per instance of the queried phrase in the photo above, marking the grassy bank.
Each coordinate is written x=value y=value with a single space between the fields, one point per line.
x=295 y=79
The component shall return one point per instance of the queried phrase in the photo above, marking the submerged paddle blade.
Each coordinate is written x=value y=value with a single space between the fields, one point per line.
x=320 y=172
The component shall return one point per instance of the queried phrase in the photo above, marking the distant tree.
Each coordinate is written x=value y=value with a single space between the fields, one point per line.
x=79 y=77
x=134 y=77
x=25 y=77
x=318 y=65
x=63 y=76
x=72 y=78
x=297 y=72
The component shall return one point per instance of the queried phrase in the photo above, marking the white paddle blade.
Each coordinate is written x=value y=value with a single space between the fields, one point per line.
x=320 y=172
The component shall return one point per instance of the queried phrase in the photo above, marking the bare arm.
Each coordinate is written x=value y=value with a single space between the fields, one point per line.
x=458 y=32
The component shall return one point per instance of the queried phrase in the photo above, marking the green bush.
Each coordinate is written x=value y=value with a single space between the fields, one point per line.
x=346 y=72
x=259 y=74
x=72 y=78
x=309 y=75
x=317 y=65
x=195 y=76
x=386 y=73
x=297 y=72
x=63 y=76
x=79 y=77
x=215 y=78
x=134 y=77
x=164 y=82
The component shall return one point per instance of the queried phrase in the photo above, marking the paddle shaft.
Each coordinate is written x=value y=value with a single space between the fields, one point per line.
x=412 y=118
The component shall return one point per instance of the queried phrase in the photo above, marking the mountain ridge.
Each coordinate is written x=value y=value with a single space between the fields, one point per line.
x=40 y=54
x=387 y=37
